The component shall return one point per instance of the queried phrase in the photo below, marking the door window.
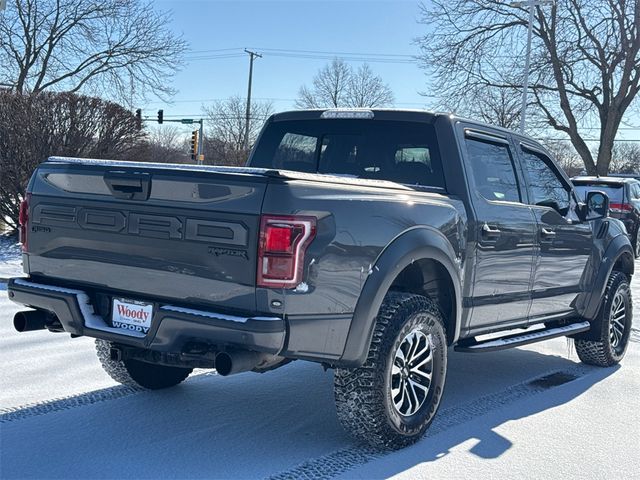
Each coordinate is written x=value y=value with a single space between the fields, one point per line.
x=545 y=184
x=492 y=170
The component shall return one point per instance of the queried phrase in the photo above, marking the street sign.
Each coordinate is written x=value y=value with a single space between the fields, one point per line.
x=186 y=121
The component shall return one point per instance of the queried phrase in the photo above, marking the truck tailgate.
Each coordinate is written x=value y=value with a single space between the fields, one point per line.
x=187 y=234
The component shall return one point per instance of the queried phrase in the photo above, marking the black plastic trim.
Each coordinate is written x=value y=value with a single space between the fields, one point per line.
x=619 y=246
x=415 y=244
x=170 y=330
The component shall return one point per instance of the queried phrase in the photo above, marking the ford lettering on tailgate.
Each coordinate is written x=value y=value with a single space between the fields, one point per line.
x=141 y=224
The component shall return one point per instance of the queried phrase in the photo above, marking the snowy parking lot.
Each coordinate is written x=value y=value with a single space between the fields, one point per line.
x=532 y=412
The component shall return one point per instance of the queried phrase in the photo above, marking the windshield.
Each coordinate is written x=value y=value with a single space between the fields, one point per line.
x=615 y=192
x=403 y=152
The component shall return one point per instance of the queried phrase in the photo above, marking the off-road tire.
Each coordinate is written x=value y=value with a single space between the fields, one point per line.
x=139 y=374
x=601 y=352
x=636 y=243
x=363 y=395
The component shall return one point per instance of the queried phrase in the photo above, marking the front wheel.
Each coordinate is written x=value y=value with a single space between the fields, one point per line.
x=136 y=373
x=392 y=399
x=612 y=326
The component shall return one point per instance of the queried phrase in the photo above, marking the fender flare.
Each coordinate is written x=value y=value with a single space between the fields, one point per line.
x=417 y=243
x=618 y=247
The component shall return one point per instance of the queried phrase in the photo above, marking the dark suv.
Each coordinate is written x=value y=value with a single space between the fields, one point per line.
x=624 y=201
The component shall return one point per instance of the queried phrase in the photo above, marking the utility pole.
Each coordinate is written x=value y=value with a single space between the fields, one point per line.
x=200 y=140
x=525 y=86
x=252 y=55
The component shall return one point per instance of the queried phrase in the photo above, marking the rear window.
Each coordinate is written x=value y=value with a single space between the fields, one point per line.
x=614 y=192
x=403 y=152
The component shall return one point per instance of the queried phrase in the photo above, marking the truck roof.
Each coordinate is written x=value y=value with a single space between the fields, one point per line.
x=585 y=180
x=398 y=114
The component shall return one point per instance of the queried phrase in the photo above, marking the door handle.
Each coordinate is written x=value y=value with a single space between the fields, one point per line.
x=128 y=185
x=547 y=233
x=490 y=232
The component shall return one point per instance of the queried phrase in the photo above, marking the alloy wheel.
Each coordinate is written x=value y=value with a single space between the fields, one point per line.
x=411 y=373
x=617 y=321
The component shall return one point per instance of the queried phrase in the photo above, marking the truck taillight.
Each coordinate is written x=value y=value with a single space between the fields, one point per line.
x=23 y=219
x=283 y=242
x=620 y=207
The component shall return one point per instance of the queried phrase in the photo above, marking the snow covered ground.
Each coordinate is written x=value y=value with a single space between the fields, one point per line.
x=10 y=257
x=532 y=412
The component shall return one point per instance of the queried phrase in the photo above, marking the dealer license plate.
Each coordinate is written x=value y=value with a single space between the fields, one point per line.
x=131 y=315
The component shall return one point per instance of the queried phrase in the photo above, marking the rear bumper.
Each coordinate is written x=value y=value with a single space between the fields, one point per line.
x=171 y=328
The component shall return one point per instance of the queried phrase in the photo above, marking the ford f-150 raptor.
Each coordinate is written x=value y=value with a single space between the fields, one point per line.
x=369 y=241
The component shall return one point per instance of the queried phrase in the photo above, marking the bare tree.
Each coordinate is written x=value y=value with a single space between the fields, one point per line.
x=565 y=155
x=585 y=68
x=626 y=158
x=496 y=106
x=329 y=87
x=166 y=145
x=33 y=128
x=117 y=47
x=339 y=85
x=365 y=89
x=224 y=140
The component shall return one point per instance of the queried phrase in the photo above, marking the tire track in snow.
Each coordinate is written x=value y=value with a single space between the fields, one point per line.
x=41 y=408
x=116 y=392
x=338 y=462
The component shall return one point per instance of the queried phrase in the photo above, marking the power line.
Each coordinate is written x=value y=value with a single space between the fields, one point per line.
x=293 y=50
x=253 y=116
x=215 y=50
x=275 y=99
x=589 y=139
x=306 y=54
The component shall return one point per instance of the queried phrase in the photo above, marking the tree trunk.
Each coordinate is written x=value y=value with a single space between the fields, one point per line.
x=610 y=121
x=604 y=159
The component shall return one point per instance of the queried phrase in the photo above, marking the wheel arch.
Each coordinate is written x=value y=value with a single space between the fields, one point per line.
x=420 y=260
x=618 y=256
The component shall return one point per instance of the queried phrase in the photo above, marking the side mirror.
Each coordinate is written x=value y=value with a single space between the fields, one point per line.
x=597 y=205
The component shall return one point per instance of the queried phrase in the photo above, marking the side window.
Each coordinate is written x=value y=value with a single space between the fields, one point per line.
x=296 y=152
x=492 y=170
x=636 y=191
x=546 y=186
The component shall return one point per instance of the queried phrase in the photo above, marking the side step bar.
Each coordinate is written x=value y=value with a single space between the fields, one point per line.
x=520 y=339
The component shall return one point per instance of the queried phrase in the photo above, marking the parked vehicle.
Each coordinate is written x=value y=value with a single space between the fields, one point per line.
x=625 y=175
x=624 y=201
x=368 y=241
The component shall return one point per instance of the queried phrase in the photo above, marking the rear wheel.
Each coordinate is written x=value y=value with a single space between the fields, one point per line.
x=636 y=246
x=139 y=374
x=612 y=326
x=392 y=399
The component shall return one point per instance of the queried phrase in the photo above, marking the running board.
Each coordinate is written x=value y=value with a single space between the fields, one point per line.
x=519 y=339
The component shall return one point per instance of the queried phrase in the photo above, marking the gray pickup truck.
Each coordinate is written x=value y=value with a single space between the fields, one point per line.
x=369 y=241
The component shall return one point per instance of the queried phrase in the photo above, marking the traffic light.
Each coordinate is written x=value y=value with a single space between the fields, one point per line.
x=160 y=116
x=194 y=144
x=139 y=119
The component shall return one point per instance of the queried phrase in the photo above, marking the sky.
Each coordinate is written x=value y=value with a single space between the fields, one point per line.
x=369 y=28
x=382 y=32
